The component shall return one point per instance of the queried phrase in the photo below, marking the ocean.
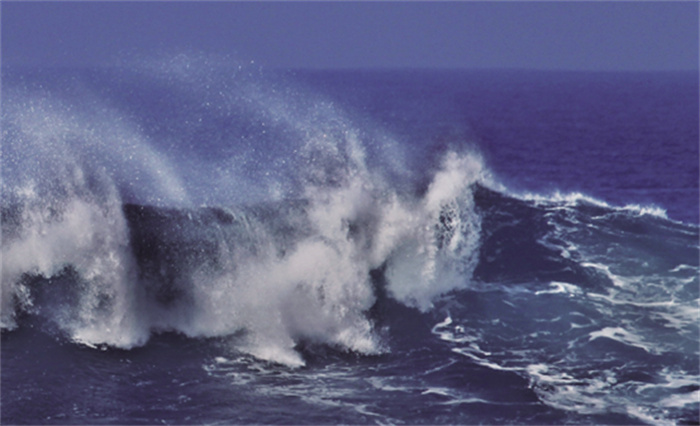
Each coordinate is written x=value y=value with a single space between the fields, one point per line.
x=195 y=240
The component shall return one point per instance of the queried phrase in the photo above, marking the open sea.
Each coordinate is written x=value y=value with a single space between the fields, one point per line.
x=194 y=240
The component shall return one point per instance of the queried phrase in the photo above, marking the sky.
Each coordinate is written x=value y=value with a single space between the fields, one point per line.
x=553 y=35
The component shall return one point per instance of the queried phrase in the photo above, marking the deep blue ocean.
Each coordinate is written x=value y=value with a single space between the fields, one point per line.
x=193 y=240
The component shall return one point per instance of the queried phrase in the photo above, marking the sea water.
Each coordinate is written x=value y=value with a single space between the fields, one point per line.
x=191 y=240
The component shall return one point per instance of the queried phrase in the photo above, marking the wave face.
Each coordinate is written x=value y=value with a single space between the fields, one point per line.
x=198 y=197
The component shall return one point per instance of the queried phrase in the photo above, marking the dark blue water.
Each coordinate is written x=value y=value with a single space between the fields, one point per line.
x=192 y=241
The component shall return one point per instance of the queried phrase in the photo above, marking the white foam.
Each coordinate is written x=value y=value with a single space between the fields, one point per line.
x=91 y=238
x=321 y=289
x=572 y=199
x=677 y=401
x=617 y=280
x=559 y=288
x=683 y=267
x=621 y=335
x=612 y=300
x=439 y=251
x=483 y=361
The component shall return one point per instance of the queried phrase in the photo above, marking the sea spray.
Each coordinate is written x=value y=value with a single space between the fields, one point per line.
x=79 y=243
x=440 y=252
x=109 y=215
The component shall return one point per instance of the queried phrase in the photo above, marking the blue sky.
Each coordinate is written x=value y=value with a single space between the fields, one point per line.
x=592 y=35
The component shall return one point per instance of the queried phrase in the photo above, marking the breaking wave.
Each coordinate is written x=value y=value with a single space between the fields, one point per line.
x=103 y=233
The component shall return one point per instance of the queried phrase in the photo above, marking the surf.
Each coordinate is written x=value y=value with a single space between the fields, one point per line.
x=103 y=237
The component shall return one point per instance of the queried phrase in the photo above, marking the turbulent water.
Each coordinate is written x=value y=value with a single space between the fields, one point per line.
x=194 y=240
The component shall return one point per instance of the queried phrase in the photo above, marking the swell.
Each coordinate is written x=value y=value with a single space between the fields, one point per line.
x=594 y=305
x=557 y=238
